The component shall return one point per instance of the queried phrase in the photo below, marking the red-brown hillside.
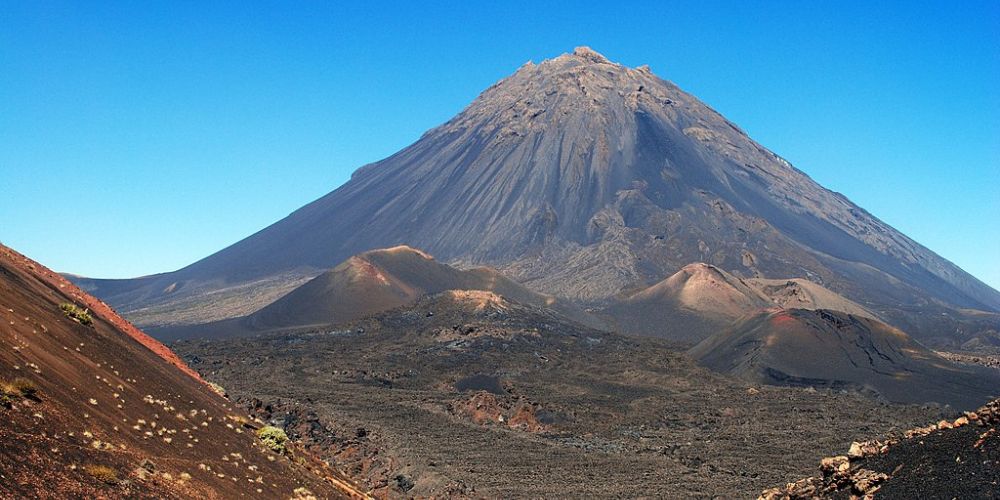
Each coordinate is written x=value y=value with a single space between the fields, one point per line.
x=100 y=410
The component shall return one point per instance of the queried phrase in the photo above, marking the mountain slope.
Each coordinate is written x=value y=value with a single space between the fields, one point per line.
x=823 y=348
x=99 y=410
x=583 y=178
x=804 y=294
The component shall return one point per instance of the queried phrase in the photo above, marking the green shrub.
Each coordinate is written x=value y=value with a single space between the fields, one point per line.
x=274 y=438
x=81 y=316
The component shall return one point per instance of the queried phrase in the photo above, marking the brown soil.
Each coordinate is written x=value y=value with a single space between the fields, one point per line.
x=56 y=281
x=97 y=409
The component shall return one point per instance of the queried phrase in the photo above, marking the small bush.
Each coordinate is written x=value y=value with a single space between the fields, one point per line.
x=274 y=438
x=25 y=387
x=102 y=473
x=81 y=316
x=17 y=389
x=218 y=389
x=241 y=420
x=8 y=388
x=302 y=493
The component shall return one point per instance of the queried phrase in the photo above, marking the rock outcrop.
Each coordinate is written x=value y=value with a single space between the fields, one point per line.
x=957 y=458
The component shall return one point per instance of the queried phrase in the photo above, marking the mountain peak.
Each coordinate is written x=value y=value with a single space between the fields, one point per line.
x=582 y=93
x=584 y=59
x=404 y=250
x=590 y=54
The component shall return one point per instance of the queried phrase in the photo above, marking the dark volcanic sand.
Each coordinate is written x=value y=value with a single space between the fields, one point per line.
x=611 y=416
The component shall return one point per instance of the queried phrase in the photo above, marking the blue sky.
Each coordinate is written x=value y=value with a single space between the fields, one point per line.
x=138 y=137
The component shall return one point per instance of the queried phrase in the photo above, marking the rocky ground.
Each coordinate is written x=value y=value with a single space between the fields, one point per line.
x=476 y=396
x=957 y=458
x=983 y=358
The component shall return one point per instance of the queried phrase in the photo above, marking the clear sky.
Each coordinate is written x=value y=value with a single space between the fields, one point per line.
x=138 y=137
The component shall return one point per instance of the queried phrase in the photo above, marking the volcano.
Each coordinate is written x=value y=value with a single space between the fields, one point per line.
x=584 y=179
x=369 y=283
x=701 y=300
x=823 y=348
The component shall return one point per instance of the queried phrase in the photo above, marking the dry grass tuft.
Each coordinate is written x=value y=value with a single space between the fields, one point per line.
x=102 y=473
x=16 y=389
